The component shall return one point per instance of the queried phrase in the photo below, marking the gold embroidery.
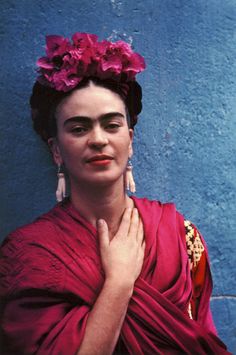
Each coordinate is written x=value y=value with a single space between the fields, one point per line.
x=195 y=248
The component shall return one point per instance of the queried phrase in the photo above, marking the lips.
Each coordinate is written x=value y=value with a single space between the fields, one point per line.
x=99 y=157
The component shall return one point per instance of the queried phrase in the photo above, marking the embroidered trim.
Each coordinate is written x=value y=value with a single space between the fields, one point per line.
x=195 y=248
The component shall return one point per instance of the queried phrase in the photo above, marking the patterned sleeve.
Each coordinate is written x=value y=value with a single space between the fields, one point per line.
x=198 y=263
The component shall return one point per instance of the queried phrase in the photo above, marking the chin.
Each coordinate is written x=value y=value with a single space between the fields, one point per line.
x=104 y=180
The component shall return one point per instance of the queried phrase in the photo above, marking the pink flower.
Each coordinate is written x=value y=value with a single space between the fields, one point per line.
x=56 y=45
x=84 y=47
x=112 y=58
x=86 y=56
x=45 y=63
x=135 y=64
x=65 y=80
x=84 y=40
x=100 y=49
x=119 y=58
x=66 y=64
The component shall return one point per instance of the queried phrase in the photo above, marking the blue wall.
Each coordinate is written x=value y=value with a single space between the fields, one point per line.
x=185 y=145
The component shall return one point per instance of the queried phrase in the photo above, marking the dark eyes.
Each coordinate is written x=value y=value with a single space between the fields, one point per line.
x=79 y=130
x=113 y=126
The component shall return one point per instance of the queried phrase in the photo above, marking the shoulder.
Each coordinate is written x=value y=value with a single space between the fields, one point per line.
x=144 y=203
x=28 y=257
x=35 y=231
x=164 y=212
x=170 y=216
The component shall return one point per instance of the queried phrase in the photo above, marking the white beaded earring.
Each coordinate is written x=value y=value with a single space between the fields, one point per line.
x=129 y=179
x=61 y=186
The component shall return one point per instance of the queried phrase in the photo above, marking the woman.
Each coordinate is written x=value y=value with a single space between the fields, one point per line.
x=101 y=273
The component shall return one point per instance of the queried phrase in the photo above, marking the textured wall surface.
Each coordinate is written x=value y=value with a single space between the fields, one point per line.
x=185 y=144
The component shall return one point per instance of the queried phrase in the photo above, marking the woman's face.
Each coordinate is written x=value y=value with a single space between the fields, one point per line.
x=93 y=139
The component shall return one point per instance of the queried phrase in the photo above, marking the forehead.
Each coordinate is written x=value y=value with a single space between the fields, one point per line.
x=92 y=101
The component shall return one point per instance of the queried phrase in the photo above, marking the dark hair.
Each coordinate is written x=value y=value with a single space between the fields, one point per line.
x=44 y=101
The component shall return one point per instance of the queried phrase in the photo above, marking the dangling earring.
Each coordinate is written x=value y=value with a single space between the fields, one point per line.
x=61 y=186
x=129 y=179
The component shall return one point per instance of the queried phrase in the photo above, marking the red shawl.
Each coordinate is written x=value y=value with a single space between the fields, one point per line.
x=51 y=275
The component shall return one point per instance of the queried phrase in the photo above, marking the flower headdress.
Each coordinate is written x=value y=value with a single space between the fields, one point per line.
x=68 y=62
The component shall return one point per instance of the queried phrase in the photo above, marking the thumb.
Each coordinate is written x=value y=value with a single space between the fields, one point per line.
x=103 y=233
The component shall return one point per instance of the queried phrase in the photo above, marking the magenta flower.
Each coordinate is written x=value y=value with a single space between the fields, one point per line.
x=119 y=58
x=56 y=46
x=64 y=80
x=45 y=63
x=66 y=63
x=135 y=64
x=84 y=40
x=112 y=58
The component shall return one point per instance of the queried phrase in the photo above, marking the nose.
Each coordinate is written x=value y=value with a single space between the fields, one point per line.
x=97 y=138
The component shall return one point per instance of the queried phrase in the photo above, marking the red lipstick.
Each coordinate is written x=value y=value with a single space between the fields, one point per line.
x=100 y=160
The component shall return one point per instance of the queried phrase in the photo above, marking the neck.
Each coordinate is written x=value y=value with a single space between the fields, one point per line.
x=106 y=202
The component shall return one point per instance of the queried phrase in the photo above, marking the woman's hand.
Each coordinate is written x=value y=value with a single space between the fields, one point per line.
x=122 y=257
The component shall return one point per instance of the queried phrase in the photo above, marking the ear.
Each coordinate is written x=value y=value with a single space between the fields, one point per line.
x=55 y=150
x=131 y=135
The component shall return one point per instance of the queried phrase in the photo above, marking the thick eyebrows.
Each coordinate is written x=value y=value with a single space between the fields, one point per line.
x=88 y=120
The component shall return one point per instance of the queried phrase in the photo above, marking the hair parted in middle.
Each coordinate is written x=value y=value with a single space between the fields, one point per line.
x=68 y=66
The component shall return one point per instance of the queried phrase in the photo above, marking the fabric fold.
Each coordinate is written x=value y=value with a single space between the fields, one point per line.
x=51 y=275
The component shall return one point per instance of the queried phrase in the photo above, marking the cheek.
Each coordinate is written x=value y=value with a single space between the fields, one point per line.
x=69 y=149
x=125 y=147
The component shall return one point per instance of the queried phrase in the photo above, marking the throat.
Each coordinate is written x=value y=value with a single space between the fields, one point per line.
x=107 y=204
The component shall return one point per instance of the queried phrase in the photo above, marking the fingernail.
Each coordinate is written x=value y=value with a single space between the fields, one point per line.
x=100 y=222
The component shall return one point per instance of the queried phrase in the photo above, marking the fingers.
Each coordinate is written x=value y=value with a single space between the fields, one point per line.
x=140 y=233
x=125 y=223
x=134 y=223
x=131 y=226
x=103 y=233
